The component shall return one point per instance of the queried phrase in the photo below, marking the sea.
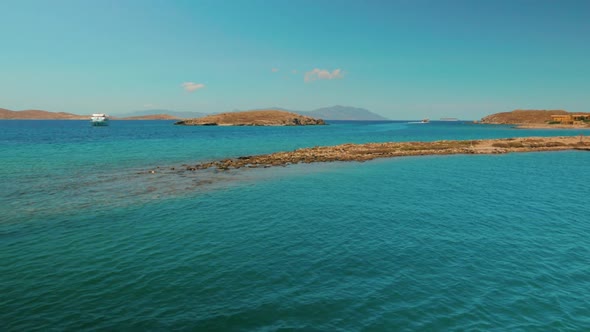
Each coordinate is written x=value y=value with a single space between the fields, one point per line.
x=91 y=240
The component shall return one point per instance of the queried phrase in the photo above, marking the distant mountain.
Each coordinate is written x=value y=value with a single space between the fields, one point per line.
x=343 y=113
x=174 y=114
x=151 y=117
x=39 y=115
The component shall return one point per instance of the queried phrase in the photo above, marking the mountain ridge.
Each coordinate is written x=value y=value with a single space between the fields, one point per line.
x=339 y=112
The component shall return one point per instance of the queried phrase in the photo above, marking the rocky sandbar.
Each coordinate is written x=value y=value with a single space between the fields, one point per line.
x=370 y=151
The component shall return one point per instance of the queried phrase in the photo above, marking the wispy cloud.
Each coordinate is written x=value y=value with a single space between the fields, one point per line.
x=274 y=70
x=323 y=74
x=192 y=86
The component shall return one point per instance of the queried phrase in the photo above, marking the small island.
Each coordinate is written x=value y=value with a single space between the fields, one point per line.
x=543 y=119
x=253 y=118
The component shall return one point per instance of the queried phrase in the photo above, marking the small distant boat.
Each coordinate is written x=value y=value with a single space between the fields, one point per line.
x=422 y=121
x=99 y=119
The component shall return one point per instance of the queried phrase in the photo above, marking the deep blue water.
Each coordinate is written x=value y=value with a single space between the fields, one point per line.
x=485 y=242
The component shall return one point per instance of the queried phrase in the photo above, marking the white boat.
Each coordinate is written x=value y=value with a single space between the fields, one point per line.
x=99 y=119
x=423 y=121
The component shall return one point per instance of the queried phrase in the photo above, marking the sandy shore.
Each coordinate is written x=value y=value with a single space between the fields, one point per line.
x=370 y=151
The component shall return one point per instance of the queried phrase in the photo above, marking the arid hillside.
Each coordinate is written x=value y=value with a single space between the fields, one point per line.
x=253 y=118
x=522 y=117
x=39 y=115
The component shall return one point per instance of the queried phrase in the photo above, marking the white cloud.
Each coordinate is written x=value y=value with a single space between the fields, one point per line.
x=323 y=74
x=192 y=86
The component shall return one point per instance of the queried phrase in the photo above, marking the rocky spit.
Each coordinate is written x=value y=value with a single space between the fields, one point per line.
x=370 y=151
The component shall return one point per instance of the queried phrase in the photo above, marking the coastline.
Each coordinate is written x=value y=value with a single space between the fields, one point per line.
x=370 y=151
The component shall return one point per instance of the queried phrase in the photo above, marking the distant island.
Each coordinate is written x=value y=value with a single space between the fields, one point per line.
x=253 y=118
x=46 y=115
x=39 y=115
x=539 y=119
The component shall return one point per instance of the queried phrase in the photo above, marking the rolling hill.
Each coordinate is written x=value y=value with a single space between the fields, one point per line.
x=39 y=115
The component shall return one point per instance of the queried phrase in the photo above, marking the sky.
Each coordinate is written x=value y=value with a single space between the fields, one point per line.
x=406 y=59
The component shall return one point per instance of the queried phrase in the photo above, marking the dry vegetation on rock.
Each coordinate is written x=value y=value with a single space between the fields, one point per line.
x=253 y=118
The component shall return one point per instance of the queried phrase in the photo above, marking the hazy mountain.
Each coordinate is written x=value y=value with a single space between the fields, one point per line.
x=151 y=117
x=175 y=114
x=342 y=113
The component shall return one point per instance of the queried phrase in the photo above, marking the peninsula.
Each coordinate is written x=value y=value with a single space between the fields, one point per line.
x=525 y=119
x=253 y=118
x=370 y=151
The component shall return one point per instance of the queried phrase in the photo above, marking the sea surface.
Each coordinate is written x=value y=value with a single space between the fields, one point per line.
x=90 y=241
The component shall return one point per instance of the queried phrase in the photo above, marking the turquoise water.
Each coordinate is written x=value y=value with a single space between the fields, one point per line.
x=484 y=242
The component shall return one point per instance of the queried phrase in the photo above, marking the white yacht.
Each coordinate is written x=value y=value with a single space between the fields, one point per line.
x=99 y=119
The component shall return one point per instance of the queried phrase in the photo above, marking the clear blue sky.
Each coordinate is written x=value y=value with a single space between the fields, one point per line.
x=403 y=59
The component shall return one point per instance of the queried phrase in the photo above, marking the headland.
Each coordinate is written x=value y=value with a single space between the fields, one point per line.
x=6 y=114
x=540 y=119
x=253 y=118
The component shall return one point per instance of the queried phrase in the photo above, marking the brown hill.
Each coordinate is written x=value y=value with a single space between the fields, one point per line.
x=45 y=115
x=254 y=118
x=39 y=115
x=522 y=117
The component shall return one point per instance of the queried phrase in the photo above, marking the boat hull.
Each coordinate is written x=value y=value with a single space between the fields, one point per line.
x=100 y=123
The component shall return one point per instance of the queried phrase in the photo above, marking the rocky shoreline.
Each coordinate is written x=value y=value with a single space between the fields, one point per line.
x=551 y=126
x=370 y=151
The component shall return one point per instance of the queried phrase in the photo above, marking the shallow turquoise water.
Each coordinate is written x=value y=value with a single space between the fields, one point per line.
x=498 y=242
